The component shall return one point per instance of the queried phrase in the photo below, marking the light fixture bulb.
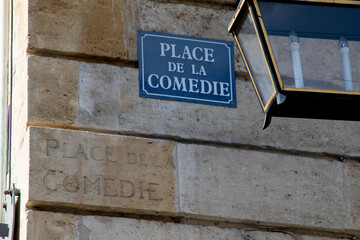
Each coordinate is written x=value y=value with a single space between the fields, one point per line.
x=343 y=43
x=293 y=38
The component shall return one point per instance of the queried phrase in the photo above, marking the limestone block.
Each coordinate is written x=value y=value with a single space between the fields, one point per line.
x=352 y=194
x=109 y=28
x=93 y=171
x=101 y=28
x=263 y=235
x=56 y=226
x=19 y=75
x=101 y=96
x=185 y=19
x=57 y=96
x=20 y=23
x=20 y=178
x=44 y=225
x=352 y=170
x=355 y=212
x=19 y=82
x=106 y=171
x=264 y=187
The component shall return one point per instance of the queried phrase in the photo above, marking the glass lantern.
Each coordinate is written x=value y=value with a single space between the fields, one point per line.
x=303 y=57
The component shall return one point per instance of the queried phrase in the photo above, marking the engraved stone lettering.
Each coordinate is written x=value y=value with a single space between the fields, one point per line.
x=49 y=182
x=141 y=189
x=97 y=170
x=95 y=153
x=107 y=154
x=169 y=162
x=132 y=159
x=71 y=183
x=51 y=144
x=156 y=162
x=127 y=189
x=109 y=187
x=91 y=185
x=142 y=160
x=109 y=157
x=153 y=192
x=81 y=151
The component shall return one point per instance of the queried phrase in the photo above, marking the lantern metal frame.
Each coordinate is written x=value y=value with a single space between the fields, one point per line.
x=294 y=102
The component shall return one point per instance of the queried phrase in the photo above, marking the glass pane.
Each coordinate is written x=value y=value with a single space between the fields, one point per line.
x=317 y=52
x=321 y=62
x=255 y=59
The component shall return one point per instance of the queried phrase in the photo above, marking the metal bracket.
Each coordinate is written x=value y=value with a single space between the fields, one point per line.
x=280 y=98
x=4 y=230
x=267 y=120
x=8 y=229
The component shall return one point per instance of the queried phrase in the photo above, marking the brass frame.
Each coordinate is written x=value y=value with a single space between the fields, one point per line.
x=239 y=8
x=265 y=106
x=272 y=57
x=350 y=2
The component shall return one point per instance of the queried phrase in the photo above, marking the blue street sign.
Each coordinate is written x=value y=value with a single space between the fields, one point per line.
x=187 y=69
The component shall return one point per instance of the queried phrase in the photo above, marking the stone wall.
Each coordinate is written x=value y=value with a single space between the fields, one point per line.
x=94 y=161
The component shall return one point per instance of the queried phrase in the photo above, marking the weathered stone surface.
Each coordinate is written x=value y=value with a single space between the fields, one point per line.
x=57 y=97
x=19 y=95
x=185 y=19
x=101 y=170
x=106 y=97
x=43 y=225
x=108 y=110
x=259 y=235
x=19 y=76
x=109 y=28
x=56 y=226
x=355 y=212
x=260 y=186
x=20 y=179
x=103 y=28
x=352 y=170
